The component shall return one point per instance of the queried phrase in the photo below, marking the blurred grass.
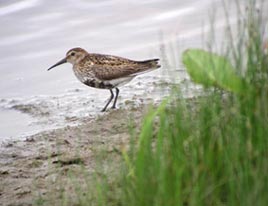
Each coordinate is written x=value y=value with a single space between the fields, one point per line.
x=208 y=150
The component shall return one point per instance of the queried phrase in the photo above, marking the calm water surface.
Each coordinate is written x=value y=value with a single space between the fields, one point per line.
x=37 y=33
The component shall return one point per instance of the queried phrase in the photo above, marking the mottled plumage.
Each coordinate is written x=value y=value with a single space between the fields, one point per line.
x=105 y=71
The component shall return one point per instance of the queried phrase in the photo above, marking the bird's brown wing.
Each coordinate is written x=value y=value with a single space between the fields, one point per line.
x=107 y=67
x=107 y=72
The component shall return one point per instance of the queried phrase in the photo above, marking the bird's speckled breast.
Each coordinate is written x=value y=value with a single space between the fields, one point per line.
x=88 y=78
x=79 y=75
x=83 y=74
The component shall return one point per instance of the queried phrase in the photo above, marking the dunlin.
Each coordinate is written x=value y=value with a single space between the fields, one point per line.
x=105 y=71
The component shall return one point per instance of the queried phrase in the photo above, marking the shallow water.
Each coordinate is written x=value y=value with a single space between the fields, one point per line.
x=37 y=33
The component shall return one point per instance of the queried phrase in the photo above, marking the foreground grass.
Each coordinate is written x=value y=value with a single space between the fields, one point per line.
x=211 y=150
x=217 y=156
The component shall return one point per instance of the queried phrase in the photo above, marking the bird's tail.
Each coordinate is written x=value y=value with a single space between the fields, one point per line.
x=146 y=66
x=151 y=63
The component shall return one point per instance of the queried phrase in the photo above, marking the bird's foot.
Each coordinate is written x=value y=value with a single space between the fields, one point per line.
x=113 y=107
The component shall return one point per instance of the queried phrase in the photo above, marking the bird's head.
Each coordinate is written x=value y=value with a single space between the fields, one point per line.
x=73 y=56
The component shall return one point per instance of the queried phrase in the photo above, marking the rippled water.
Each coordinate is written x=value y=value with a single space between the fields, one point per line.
x=36 y=34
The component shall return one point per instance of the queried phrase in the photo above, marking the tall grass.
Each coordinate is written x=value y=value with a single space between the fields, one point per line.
x=212 y=150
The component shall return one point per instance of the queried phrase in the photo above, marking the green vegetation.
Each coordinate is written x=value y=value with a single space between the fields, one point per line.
x=210 y=69
x=209 y=150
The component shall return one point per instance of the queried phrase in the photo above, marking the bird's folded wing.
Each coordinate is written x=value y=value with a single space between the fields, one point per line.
x=107 y=72
x=107 y=67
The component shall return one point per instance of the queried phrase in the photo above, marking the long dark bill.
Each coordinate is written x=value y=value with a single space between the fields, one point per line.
x=58 y=63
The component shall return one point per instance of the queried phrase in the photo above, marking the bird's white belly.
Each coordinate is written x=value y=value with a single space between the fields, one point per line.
x=119 y=81
x=114 y=82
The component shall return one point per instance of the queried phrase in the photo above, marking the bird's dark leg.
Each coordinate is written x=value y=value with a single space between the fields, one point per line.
x=116 y=95
x=111 y=98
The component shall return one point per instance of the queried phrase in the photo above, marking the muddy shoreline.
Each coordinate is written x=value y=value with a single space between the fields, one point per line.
x=32 y=170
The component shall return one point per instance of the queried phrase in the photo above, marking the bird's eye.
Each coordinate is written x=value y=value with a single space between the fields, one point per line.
x=72 y=54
